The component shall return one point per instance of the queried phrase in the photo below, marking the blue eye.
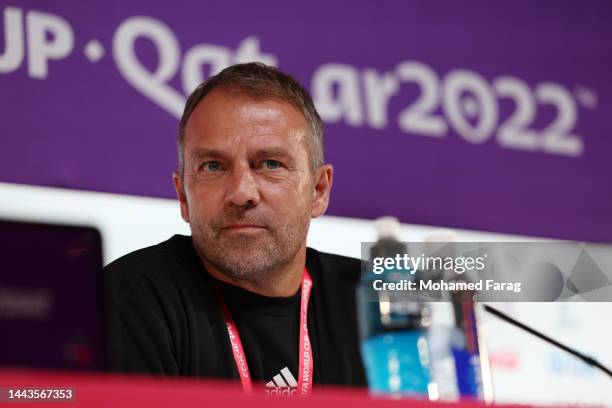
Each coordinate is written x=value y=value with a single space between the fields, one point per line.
x=212 y=166
x=272 y=164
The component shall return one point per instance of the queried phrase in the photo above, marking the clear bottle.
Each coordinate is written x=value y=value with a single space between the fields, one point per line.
x=459 y=359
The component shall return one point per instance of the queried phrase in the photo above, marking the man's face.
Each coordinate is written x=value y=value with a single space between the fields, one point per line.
x=248 y=191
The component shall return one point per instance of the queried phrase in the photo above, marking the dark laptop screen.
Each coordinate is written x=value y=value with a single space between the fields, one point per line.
x=51 y=296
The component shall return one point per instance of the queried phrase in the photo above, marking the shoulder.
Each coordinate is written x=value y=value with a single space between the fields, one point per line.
x=337 y=267
x=164 y=261
x=161 y=283
x=170 y=248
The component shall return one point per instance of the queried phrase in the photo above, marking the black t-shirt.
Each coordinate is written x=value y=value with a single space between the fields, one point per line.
x=269 y=332
x=166 y=319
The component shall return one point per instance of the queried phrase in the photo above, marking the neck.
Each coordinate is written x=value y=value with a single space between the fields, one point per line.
x=284 y=282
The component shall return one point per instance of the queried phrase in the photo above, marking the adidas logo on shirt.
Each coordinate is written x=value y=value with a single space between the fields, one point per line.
x=282 y=384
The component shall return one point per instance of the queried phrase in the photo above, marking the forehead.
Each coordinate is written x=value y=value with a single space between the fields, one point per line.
x=225 y=119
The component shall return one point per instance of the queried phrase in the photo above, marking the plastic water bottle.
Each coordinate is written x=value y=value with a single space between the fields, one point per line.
x=393 y=325
x=458 y=367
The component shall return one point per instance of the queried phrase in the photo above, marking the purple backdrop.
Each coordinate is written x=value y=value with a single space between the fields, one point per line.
x=482 y=115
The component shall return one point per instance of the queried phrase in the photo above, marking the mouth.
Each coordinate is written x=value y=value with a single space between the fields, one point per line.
x=243 y=228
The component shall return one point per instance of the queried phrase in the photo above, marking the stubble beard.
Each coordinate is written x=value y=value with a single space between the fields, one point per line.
x=258 y=258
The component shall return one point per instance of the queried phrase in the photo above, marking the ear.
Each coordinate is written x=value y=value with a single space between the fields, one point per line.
x=322 y=189
x=180 y=194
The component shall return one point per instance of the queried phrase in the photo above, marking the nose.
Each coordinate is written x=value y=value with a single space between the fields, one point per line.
x=242 y=189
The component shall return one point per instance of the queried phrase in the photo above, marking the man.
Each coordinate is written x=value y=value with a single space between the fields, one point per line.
x=243 y=297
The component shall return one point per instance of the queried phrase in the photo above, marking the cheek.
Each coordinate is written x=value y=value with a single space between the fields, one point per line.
x=295 y=183
x=203 y=201
x=287 y=198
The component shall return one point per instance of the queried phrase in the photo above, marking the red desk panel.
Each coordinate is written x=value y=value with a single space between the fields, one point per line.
x=116 y=391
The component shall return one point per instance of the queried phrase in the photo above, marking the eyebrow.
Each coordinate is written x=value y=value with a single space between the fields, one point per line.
x=273 y=152
x=203 y=152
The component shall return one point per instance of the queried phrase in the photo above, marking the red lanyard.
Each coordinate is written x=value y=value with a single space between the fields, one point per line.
x=306 y=369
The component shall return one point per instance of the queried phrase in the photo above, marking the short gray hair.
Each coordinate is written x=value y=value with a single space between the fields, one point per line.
x=259 y=81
